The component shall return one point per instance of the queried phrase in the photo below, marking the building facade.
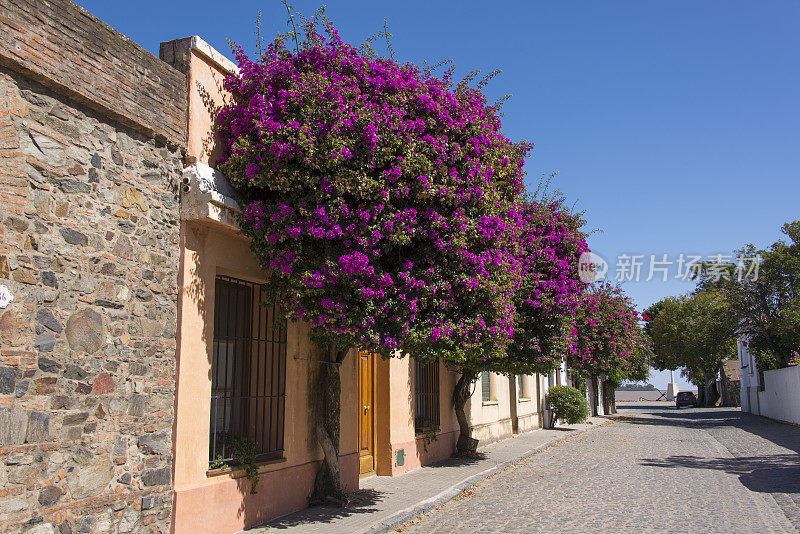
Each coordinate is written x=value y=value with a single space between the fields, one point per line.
x=750 y=378
x=396 y=414
x=138 y=360
x=774 y=393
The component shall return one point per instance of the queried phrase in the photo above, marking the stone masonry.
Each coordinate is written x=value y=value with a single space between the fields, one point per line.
x=89 y=250
x=64 y=47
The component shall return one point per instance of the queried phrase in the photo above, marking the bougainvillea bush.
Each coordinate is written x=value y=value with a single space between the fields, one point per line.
x=606 y=337
x=377 y=197
x=550 y=242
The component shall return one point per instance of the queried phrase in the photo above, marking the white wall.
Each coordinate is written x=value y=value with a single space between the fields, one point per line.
x=780 y=399
x=748 y=376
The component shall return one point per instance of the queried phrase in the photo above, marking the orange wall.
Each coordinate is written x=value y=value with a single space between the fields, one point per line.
x=208 y=251
x=206 y=94
x=395 y=425
x=222 y=503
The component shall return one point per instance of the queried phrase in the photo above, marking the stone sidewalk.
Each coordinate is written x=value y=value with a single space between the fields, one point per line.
x=384 y=503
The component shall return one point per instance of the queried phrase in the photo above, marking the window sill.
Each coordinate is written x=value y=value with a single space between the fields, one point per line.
x=491 y=403
x=524 y=399
x=238 y=472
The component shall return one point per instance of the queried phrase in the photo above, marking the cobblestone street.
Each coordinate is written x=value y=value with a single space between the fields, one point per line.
x=654 y=469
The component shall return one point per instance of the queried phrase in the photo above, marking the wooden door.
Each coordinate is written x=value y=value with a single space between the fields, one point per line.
x=366 y=415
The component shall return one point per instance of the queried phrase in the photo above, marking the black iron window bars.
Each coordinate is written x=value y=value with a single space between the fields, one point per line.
x=248 y=374
x=426 y=396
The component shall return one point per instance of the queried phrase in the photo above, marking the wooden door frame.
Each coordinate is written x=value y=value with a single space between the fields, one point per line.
x=374 y=371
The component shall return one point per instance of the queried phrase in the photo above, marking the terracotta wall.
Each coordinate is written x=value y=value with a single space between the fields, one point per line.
x=206 y=69
x=395 y=421
x=222 y=502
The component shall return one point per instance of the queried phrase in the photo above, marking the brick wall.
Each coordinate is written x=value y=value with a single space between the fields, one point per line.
x=89 y=250
x=67 y=48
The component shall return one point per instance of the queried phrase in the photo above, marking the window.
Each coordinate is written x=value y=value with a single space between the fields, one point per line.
x=426 y=396
x=522 y=391
x=248 y=372
x=486 y=386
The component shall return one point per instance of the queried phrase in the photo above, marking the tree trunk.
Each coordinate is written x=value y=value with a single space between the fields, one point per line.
x=327 y=412
x=591 y=386
x=711 y=395
x=723 y=386
x=461 y=394
x=701 y=395
x=609 y=397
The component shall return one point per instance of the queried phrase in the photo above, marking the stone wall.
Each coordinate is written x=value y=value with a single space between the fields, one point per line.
x=89 y=250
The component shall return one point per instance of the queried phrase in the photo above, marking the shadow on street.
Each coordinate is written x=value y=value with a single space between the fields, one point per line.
x=777 y=473
x=782 y=434
x=769 y=473
x=360 y=502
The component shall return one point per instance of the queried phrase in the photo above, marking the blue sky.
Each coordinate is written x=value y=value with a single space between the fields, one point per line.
x=674 y=125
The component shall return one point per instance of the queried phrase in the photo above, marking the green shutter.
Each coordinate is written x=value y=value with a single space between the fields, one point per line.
x=486 y=386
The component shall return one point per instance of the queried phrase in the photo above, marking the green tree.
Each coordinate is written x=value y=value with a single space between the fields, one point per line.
x=665 y=327
x=695 y=332
x=768 y=304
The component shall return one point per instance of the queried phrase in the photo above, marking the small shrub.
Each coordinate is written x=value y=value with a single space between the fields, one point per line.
x=567 y=404
x=244 y=452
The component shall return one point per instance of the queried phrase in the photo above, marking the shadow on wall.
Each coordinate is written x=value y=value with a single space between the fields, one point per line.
x=410 y=423
x=211 y=142
x=195 y=236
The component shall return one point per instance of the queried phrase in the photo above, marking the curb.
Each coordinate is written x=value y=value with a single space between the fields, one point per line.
x=412 y=512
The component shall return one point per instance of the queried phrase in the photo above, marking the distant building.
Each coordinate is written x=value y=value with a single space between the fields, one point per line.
x=730 y=384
